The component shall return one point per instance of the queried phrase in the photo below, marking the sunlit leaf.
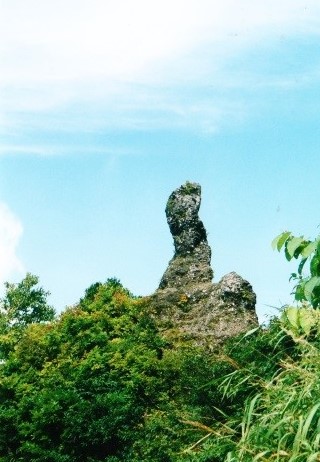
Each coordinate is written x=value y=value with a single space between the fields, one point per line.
x=293 y=245
x=310 y=286
x=307 y=319
x=279 y=241
x=292 y=315
x=309 y=249
x=251 y=331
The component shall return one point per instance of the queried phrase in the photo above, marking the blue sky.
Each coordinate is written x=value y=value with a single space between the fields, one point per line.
x=107 y=106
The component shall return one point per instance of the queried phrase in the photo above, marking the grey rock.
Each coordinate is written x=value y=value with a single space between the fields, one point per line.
x=236 y=290
x=187 y=305
x=182 y=216
x=191 y=261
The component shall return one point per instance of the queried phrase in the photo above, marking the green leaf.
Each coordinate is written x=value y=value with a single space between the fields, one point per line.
x=315 y=266
x=309 y=249
x=292 y=315
x=299 y=291
x=293 y=276
x=301 y=265
x=279 y=241
x=308 y=421
x=307 y=319
x=293 y=245
x=310 y=286
x=286 y=253
x=250 y=332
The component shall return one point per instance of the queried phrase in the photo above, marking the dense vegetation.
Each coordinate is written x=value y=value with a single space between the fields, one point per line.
x=100 y=383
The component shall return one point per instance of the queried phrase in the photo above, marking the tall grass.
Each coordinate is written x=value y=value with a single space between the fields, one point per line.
x=270 y=399
x=282 y=421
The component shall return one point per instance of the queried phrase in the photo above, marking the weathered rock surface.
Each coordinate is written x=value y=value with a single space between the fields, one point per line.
x=191 y=261
x=187 y=305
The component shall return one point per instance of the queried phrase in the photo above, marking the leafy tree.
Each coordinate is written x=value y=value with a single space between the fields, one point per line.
x=100 y=384
x=23 y=304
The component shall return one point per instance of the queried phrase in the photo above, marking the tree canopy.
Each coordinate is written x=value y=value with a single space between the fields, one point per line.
x=101 y=383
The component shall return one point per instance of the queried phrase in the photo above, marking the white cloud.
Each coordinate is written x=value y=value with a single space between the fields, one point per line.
x=55 y=54
x=114 y=39
x=124 y=39
x=10 y=234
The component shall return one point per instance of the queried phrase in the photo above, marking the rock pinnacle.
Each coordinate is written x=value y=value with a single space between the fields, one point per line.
x=191 y=261
x=188 y=305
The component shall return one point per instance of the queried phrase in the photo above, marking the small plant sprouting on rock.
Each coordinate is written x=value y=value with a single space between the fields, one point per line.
x=189 y=188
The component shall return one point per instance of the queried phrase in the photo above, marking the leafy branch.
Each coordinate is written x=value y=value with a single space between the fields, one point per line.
x=306 y=251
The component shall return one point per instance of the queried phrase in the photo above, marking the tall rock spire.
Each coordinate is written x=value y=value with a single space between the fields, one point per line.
x=185 y=225
x=191 y=261
x=187 y=304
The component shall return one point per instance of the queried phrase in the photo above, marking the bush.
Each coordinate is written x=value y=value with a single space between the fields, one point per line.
x=99 y=383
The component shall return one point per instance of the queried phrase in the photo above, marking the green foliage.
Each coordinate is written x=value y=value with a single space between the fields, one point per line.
x=189 y=188
x=23 y=304
x=269 y=409
x=301 y=321
x=282 y=421
x=100 y=383
x=307 y=287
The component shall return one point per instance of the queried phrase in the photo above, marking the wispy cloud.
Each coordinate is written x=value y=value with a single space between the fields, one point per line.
x=10 y=234
x=141 y=64
x=47 y=150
